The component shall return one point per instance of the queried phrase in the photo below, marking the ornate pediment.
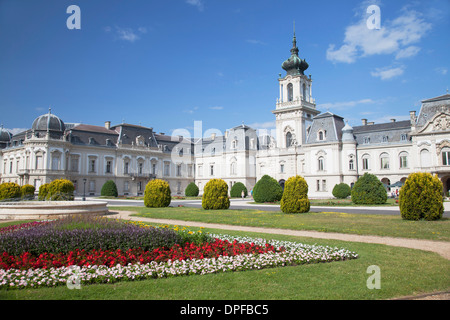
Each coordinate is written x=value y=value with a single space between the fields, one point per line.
x=439 y=123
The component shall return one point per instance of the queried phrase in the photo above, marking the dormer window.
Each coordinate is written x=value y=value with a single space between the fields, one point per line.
x=321 y=135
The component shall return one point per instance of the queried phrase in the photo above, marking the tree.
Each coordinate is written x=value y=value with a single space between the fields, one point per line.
x=267 y=189
x=295 y=196
x=368 y=189
x=157 y=194
x=342 y=191
x=109 y=189
x=421 y=197
x=191 y=190
x=215 y=195
x=236 y=190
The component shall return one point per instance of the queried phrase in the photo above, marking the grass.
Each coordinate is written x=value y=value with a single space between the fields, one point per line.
x=381 y=225
x=341 y=203
x=403 y=272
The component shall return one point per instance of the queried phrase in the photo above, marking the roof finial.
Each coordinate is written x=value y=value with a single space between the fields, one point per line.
x=49 y=110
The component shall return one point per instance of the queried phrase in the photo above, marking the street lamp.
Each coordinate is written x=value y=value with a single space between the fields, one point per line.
x=84 y=189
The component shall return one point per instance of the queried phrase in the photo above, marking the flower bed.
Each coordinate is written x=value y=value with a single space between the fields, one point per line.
x=219 y=254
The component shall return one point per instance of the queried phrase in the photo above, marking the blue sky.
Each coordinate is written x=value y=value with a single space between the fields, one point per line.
x=166 y=64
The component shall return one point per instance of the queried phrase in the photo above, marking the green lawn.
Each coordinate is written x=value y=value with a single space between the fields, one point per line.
x=340 y=203
x=403 y=272
x=381 y=225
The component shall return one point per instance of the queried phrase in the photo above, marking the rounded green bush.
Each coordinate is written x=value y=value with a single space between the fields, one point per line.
x=267 y=189
x=109 y=189
x=60 y=190
x=342 y=191
x=368 y=189
x=10 y=191
x=43 y=191
x=191 y=190
x=215 y=195
x=157 y=194
x=27 y=191
x=421 y=197
x=295 y=196
x=236 y=190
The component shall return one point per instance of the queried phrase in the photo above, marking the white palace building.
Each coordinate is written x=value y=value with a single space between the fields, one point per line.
x=321 y=147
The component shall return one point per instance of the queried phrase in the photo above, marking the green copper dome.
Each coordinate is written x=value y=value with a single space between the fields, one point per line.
x=294 y=65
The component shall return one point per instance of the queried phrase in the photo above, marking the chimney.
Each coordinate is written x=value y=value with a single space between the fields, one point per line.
x=370 y=123
x=392 y=120
x=364 y=122
x=108 y=125
x=412 y=115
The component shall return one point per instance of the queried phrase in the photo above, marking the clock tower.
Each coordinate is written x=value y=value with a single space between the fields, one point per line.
x=295 y=107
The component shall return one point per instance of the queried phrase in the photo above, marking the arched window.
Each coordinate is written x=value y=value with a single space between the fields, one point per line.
x=320 y=164
x=365 y=161
x=351 y=165
x=384 y=161
x=425 y=159
x=304 y=94
x=446 y=156
x=290 y=92
x=288 y=139
x=233 y=168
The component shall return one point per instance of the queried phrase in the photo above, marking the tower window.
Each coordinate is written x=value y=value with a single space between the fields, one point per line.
x=290 y=92
x=288 y=139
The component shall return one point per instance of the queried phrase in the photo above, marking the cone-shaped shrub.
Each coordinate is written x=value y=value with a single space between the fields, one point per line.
x=60 y=190
x=421 y=197
x=10 y=191
x=342 y=191
x=215 y=195
x=27 y=191
x=43 y=191
x=267 y=189
x=295 y=196
x=368 y=190
x=157 y=194
x=191 y=190
x=109 y=189
x=236 y=190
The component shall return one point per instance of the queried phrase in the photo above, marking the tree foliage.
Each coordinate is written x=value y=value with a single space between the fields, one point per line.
x=295 y=196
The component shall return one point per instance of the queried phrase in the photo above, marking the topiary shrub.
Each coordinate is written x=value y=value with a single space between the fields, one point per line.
x=27 y=192
x=10 y=191
x=421 y=197
x=236 y=190
x=109 y=189
x=368 y=189
x=342 y=191
x=295 y=196
x=43 y=191
x=60 y=190
x=267 y=189
x=157 y=194
x=215 y=195
x=191 y=190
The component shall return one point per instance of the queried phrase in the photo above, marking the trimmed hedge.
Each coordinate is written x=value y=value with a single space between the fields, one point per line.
x=267 y=189
x=191 y=190
x=43 y=191
x=236 y=190
x=295 y=196
x=342 y=191
x=10 y=191
x=109 y=189
x=27 y=191
x=421 y=197
x=369 y=190
x=60 y=190
x=215 y=195
x=157 y=194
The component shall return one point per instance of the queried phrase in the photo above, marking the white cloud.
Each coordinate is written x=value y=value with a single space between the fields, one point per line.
x=344 y=104
x=216 y=108
x=394 y=37
x=388 y=73
x=253 y=41
x=126 y=34
x=441 y=70
x=196 y=3
x=16 y=130
x=407 y=52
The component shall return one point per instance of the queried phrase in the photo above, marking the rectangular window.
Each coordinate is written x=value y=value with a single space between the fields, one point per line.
x=318 y=185
x=384 y=163
x=153 y=168
x=446 y=158
x=350 y=165
x=179 y=170
x=200 y=170
x=403 y=162
x=281 y=168
x=324 y=185
x=108 y=166
x=92 y=165
x=365 y=162
x=126 y=186
x=320 y=164
x=211 y=170
x=91 y=186
x=74 y=164
x=125 y=167
x=166 y=169
x=140 y=168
